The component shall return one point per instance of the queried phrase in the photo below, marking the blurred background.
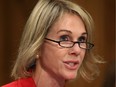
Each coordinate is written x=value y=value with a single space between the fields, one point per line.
x=14 y=14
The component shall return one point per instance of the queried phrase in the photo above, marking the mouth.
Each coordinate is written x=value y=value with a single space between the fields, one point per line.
x=71 y=64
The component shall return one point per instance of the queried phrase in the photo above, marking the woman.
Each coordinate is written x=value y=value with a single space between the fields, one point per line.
x=55 y=46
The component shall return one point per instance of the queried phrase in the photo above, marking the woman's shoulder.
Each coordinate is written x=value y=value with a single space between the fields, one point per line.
x=23 y=82
x=12 y=84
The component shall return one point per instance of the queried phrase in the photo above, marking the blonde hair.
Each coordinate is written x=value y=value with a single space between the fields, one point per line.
x=44 y=15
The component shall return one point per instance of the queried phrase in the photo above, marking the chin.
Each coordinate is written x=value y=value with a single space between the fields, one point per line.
x=71 y=76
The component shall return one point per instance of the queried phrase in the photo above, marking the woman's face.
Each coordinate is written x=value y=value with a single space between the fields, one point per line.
x=64 y=62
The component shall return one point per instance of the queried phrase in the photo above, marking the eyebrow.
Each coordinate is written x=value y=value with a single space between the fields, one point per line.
x=64 y=30
x=85 y=33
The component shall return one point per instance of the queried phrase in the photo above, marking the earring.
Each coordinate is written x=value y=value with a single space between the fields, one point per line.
x=37 y=56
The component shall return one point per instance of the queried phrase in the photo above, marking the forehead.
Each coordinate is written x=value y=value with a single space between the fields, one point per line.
x=70 y=22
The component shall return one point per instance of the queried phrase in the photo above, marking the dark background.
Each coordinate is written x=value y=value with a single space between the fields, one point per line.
x=14 y=14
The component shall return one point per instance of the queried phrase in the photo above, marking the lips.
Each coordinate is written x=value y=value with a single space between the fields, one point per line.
x=71 y=64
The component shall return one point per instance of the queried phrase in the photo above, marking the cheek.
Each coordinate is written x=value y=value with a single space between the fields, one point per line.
x=51 y=58
x=52 y=52
x=47 y=57
x=82 y=56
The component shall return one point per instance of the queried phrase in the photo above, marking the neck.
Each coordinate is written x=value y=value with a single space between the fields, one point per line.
x=44 y=79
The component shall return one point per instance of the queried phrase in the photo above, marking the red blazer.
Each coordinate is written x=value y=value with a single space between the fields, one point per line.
x=25 y=82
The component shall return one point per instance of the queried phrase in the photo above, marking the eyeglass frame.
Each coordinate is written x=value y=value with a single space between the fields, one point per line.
x=74 y=42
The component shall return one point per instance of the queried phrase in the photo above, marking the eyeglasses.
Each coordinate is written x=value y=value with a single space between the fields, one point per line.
x=69 y=44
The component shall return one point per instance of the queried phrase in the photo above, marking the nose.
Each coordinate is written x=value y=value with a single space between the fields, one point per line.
x=75 y=50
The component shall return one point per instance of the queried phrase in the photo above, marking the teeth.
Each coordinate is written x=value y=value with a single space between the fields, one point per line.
x=71 y=64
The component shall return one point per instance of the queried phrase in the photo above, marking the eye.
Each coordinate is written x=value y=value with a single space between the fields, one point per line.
x=82 y=39
x=64 y=38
